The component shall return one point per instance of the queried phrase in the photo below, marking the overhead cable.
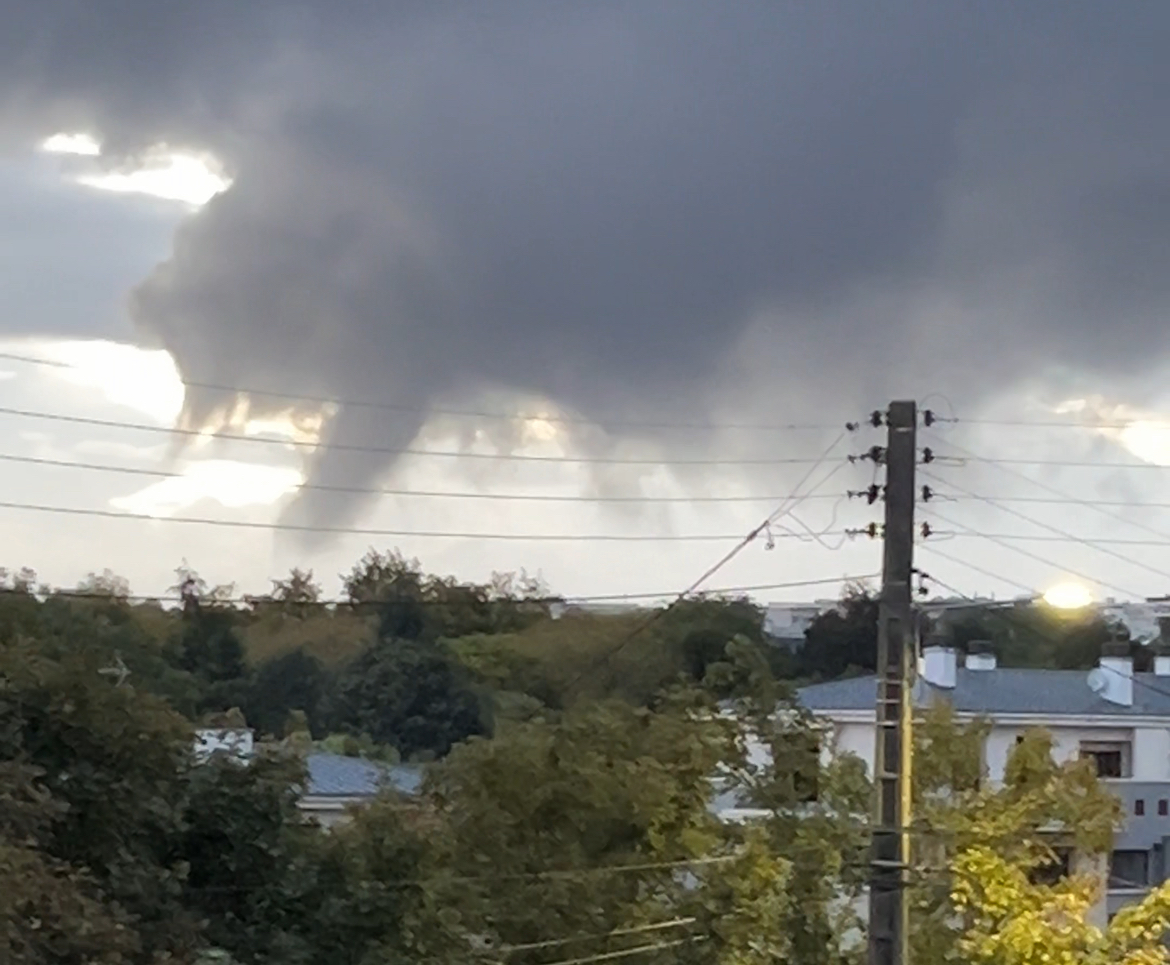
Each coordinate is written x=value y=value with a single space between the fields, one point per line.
x=322 y=400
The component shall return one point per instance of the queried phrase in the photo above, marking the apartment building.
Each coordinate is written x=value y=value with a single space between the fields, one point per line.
x=1116 y=717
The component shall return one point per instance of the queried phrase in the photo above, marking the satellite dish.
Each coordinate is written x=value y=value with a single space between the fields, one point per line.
x=1097 y=680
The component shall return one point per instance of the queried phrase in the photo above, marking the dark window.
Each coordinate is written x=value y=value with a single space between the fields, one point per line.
x=1055 y=871
x=1163 y=809
x=1110 y=761
x=1139 y=807
x=806 y=777
x=1129 y=869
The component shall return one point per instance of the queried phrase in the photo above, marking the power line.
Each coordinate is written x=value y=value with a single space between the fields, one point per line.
x=471 y=413
x=569 y=601
x=1096 y=507
x=390 y=450
x=1061 y=500
x=934 y=550
x=436 y=494
x=616 y=933
x=1053 y=529
x=622 y=953
x=1066 y=463
x=420 y=534
x=786 y=507
x=551 y=874
x=1059 y=424
x=1028 y=538
x=1002 y=541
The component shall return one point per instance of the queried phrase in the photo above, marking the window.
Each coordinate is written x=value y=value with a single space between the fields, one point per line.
x=1058 y=870
x=1129 y=869
x=1113 y=758
x=1163 y=809
x=806 y=774
x=1139 y=807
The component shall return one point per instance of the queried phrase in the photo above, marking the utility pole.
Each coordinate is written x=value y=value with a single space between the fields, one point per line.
x=890 y=858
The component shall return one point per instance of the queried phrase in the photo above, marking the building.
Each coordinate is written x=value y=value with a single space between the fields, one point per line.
x=785 y=624
x=1116 y=717
x=337 y=784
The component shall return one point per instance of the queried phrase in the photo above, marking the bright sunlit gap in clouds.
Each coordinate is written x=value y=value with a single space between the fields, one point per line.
x=227 y=482
x=192 y=179
x=1145 y=435
x=82 y=145
x=148 y=383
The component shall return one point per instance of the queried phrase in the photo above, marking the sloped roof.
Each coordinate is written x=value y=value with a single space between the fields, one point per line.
x=334 y=775
x=1005 y=690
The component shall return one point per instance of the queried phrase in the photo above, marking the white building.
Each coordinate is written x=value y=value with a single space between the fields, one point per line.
x=787 y=623
x=1119 y=718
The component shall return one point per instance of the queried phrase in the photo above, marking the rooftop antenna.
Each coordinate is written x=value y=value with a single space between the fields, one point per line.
x=118 y=670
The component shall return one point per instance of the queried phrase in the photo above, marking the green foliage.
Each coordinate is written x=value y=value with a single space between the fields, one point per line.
x=409 y=694
x=241 y=841
x=1038 y=636
x=359 y=745
x=1008 y=919
x=49 y=911
x=815 y=809
x=538 y=809
x=114 y=761
x=292 y=682
x=210 y=649
x=1041 y=806
x=415 y=606
x=841 y=641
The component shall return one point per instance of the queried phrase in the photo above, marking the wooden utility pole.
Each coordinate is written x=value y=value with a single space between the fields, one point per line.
x=895 y=665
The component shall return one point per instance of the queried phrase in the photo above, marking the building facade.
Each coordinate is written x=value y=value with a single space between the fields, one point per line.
x=1119 y=719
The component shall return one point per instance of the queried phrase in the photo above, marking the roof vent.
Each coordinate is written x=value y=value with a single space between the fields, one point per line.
x=980 y=655
x=1118 y=672
x=938 y=666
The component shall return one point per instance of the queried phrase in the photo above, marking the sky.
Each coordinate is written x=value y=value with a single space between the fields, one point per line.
x=643 y=256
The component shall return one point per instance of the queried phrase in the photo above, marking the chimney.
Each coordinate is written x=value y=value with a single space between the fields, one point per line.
x=1161 y=648
x=980 y=655
x=938 y=666
x=1117 y=663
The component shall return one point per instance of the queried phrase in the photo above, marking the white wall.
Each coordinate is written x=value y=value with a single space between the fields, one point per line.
x=856 y=739
x=1151 y=754
x=1151 y=745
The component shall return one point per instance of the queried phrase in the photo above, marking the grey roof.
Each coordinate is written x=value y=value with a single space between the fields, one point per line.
x=334 y=775
x=1005 y=690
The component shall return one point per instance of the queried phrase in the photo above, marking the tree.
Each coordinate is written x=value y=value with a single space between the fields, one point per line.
x=209 y=648
x=291 y=682
x=814 y=809
x=1040 y=809
x=1009 y=919
x=704 y=627
x=1035 y=636
x=113 y=760
x=842 y=640
x=244 y=844
x=297 y=596
x=107 y=584
x=407 y=693
x=415 y=606
x=50 y=912
x=568 y=828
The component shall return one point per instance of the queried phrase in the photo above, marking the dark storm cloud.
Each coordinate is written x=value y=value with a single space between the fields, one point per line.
x=635 y=209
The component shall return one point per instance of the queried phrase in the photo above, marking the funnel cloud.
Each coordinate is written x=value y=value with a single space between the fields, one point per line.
x=638 y=211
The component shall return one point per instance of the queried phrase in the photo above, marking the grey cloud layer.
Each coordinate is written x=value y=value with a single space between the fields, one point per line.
x=638 y=209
